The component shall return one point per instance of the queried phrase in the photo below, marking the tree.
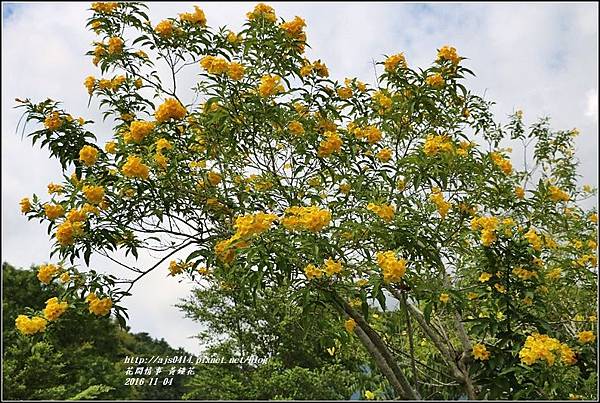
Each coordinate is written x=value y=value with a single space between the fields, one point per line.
x=275 y=176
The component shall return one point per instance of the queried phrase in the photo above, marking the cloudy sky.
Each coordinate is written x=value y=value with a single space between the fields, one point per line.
x=540 y=58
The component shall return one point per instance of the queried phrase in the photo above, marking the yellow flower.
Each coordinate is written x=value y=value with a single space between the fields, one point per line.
x=213 y=178
x=105 y=7
x=444 y=298
x=94 y=194
x=438 y=199
x=310 y=218
x=332 y=267
x=503 y=163
x=65 y=278
x=294 y=28
x=311 y=271
x=471 y=296
x=134 y=168
x=556 y=194
x=484 y=277
x=99 y=306
x=519 y=192
x=350 y=325
x=392 y=62
x=296 y=128
x=262 y=11
x=500 y=288
x=384 y=211
x=534 y=240
x=54 y=211
x=586 y=336
x=54 y=309
x=448 y=53
x=344 y=92
x=170 y=109
x=29 y=326
x=25 y=205
x=331 y=144
x=435 y=80
x=393 y=268
x=164 y=28
x=140 y=129
x=197 y=17
x=480 y=352
x=115 y=45
x=233 y=38
x=110 y=147
x=214 y=65
x=90 y=83
x=541 y=347
x=369 y=395
x=47 y=272
x=594 y=218
x=235 y=71
x=384 y=155
x=53 y=121
x=88 y=155
x=435 y=144
x=383 y=102
x=270 y=85
x=67 y=231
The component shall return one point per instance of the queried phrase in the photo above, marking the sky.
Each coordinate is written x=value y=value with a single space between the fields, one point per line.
x=538 y=58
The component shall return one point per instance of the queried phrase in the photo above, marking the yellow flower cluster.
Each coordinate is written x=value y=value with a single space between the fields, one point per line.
x=55 y=188
x=587 y=336
x=350 y=325
x=214 y=65
x=53 y=121
x=383 y=102
x=370 y=133
x=501 y=162
x=296 y=128
x=435 y=80
x=344 y=92
x=164 y=28
x=480 y=352
x=392 y=62
x=436 y=144
x=176 y=268
x=90 y=84
x=331 y=267
x=262 y=11
x=331 y=144
x=488 y=227
x=542 y=347
x=317 y=67
x=270 y=85
x=47 y=272
x=99 y=306
x=197 y=17
x=384 y=211
x=295 y=28
x=534 y=239
x=105 y=6
x=519 y=192
x=524 y=274
x=556 y=194
x=54 y=211
x=88 y=155
x=138 y=130
x=54 y=309
x=67 y=231
x=393 y=268
x=448 y=53
x=438 y=199
x=115 y=45
x=25 y=205
x=134 y=168
x=384 y=155
x=29 y=326
x=246 y=227
x=170 y=109
x=311 y=218
x=94 y=194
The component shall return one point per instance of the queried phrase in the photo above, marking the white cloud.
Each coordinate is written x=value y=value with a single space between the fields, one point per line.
x=541 y=58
